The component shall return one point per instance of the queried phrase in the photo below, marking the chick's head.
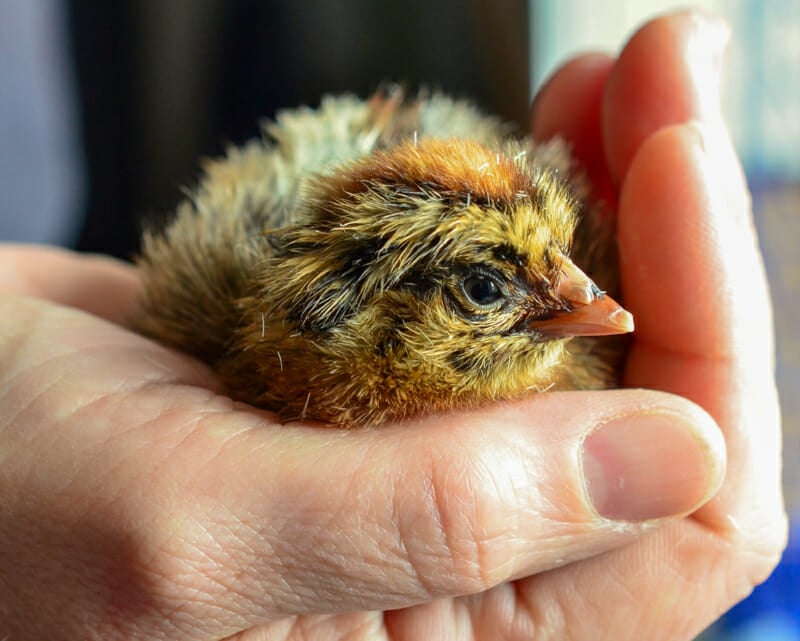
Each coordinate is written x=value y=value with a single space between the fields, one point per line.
x=430 y=276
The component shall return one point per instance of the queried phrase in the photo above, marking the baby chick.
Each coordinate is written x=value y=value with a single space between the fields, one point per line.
x=376 y=260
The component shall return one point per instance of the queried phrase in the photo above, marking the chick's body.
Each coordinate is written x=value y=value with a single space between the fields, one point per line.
x=374 y=260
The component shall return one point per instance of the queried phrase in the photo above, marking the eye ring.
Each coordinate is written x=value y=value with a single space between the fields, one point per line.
x=483 y=291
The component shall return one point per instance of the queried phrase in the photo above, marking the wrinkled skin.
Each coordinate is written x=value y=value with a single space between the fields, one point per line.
x=136 y=503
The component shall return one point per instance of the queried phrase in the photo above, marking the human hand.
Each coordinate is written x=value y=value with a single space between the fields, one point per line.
x=139 y=504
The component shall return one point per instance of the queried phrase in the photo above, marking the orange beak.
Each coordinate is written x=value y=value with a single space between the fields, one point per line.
x=591 y=312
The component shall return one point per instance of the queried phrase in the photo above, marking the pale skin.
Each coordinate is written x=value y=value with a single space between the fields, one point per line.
x=137 y=503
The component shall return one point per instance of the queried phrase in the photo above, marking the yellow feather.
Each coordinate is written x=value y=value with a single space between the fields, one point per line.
x=322 y=270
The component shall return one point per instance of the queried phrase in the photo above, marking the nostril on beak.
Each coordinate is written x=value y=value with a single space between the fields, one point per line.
x=577 y=294
x=575 y=287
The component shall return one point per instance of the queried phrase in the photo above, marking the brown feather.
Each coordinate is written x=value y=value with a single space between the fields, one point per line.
x=322 y=271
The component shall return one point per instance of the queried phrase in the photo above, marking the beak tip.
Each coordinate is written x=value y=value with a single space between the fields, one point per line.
x=622 y=319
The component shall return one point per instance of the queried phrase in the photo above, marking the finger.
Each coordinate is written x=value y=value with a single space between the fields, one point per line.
x=569 y=105
x=689 y=255
x=671 y=584
x=687 y=237
x=291 y=519
x=668 y=73
x=99 y=285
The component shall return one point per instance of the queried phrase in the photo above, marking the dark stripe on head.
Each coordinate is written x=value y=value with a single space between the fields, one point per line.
x=509 y=254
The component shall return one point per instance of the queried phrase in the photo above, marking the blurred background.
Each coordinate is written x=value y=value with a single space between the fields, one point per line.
x=106 y=107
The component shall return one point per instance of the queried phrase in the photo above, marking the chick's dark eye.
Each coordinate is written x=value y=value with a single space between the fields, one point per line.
x=482 y=291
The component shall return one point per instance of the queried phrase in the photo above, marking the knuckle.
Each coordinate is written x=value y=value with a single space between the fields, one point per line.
x=460 y=537
x=766 y=548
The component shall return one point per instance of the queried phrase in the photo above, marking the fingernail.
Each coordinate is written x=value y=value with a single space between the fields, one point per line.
x=706 y=50
x=649 y=466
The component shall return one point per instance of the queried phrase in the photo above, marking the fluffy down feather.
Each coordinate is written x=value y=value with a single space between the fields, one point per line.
x=374 y=260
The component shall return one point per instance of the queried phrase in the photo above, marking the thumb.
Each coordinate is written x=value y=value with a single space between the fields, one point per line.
x=453 y=505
